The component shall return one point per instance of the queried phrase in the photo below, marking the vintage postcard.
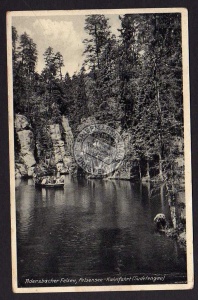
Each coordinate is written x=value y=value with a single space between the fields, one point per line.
x=100 y=155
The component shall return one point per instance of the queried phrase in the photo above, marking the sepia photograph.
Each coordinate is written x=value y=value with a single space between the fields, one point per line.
x=100 y=150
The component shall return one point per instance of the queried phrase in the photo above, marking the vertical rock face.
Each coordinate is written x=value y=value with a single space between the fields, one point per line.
x=58 y=143
x=68 y=136
x=26 y=163
x=62 y=149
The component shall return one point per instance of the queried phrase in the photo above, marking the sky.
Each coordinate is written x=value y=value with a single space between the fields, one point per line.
x=63 y=33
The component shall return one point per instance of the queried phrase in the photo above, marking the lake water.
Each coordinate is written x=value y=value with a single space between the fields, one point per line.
x=93 y=229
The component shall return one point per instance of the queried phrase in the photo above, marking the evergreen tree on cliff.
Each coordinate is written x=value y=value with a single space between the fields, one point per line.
x=24 y=64
x=97 y=28
x=52 y=78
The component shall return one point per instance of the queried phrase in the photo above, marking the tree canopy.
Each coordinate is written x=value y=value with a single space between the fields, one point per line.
x=132 y=82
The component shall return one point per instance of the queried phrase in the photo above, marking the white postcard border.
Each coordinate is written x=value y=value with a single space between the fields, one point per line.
x=187 y=146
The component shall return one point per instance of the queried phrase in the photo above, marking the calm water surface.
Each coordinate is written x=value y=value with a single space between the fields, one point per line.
x=93 y=229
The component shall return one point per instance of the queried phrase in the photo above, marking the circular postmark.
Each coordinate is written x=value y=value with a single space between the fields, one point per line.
x=99 y=149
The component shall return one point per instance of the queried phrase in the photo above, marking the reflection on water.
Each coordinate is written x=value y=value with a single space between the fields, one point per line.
x=93 y=228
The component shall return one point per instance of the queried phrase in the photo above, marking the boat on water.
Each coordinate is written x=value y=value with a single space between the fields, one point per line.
x=49 y=182
x=50 y=185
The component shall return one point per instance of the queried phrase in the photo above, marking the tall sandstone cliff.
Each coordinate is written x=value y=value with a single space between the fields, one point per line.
x=61 y=151
x=62 y=145
x=25 y=164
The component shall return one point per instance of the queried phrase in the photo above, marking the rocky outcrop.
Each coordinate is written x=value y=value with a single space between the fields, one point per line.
x=24 y=166
x=60 y=152
x=178 y=235
x=176 y=231
x=68 y=136
x=160 y=221
x=62 y=145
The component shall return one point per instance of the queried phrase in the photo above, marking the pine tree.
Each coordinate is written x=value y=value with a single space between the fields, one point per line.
x=97 y=27
x=24 y=64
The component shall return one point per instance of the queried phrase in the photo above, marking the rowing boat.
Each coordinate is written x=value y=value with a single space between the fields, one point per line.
x=49 y=182
x=50 y=185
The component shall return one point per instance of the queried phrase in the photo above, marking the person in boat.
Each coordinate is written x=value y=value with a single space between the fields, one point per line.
x=50 y=179
x=44 y=181
x=60 y=179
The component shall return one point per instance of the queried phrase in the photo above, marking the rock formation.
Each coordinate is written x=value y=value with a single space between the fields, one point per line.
x=68 y=136
x=160 y=221
x=26 y=162
x=61 y=149
x=62 y=146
